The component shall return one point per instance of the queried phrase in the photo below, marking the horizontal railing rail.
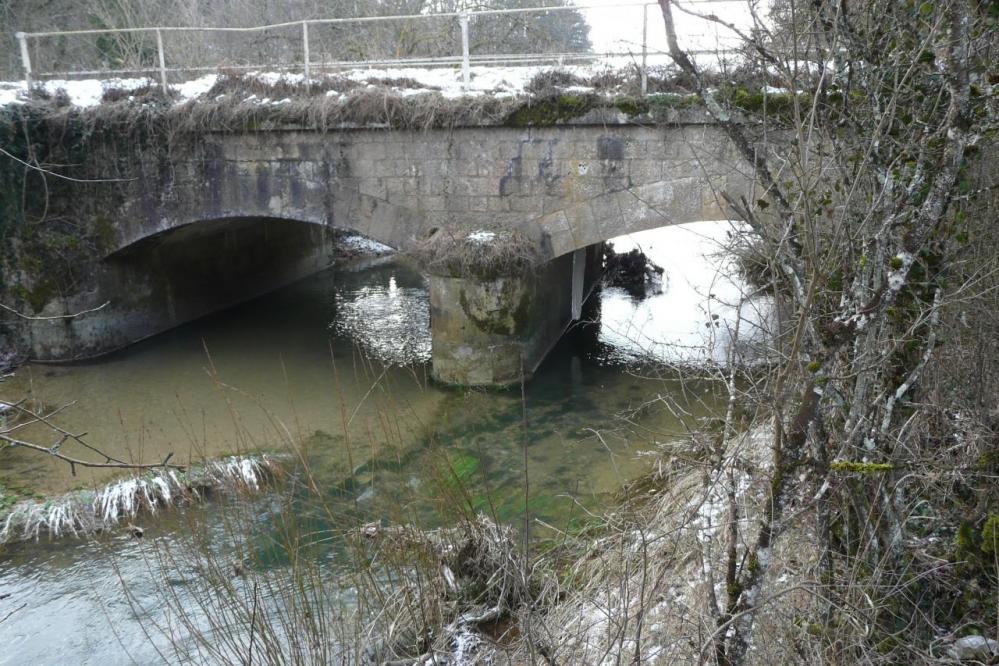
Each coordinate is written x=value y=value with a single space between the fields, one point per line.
x=462 y=57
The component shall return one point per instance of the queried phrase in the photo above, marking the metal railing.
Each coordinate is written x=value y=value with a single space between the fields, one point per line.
x=307 y=66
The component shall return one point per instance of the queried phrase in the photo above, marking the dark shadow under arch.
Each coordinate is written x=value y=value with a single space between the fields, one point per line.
x=180 y=274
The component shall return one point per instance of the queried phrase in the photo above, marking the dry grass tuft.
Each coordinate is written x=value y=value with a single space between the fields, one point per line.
x=241 y=84
x=41 y=97
x=484 y=254
x=399 y=82
x=611 y=80
x=551 y=81
x=150 y=93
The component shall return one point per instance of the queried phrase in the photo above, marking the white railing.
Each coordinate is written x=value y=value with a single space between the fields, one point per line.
x=307 y=66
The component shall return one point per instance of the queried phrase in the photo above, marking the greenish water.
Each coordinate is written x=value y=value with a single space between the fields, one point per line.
x=333 y=372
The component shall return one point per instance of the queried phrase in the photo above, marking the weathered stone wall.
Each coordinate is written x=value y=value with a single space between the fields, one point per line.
x=575 y=185
x=568 y=187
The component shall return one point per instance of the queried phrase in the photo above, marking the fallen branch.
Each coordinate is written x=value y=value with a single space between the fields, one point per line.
x=6 y=439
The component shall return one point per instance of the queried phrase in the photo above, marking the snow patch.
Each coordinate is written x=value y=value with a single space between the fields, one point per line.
x=364 y=245
x=196 y=87
x=482 y=237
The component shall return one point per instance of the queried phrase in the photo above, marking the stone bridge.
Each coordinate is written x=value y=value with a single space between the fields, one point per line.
x=238 y=214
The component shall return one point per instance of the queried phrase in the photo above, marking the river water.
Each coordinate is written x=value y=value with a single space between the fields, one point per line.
x=334 y=371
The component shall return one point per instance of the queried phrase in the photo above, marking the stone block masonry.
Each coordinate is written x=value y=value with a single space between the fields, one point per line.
x=256 y=207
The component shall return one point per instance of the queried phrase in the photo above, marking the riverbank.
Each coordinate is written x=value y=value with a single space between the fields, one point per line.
x=337 y=365
x=641 y=581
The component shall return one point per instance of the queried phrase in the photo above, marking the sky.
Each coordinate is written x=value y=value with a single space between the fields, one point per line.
x=616 y=25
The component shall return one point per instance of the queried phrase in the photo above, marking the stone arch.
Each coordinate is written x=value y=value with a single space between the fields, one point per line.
x=183 y=272
x=131 y=237
x=650 y=206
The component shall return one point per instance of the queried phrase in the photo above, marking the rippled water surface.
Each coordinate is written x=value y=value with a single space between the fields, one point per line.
x=334 y=371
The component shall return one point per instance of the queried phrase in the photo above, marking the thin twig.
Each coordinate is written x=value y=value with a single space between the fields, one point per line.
x=51 y=317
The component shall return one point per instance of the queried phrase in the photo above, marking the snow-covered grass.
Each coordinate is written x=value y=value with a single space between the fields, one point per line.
x=87 y=512
x=661 y=560
x=363 y=245
x=82 y=92
x=497 y=81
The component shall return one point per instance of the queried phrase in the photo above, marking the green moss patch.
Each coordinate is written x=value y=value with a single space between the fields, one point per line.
x=553 y=110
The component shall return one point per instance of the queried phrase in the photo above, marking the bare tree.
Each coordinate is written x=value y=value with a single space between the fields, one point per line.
x=561 y=31
x=866 y=158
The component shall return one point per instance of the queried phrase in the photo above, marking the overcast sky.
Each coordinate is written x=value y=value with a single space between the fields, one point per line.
x=616 y=25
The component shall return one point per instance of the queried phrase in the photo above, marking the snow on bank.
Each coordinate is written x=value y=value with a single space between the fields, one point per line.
x=84 y=512
x=665 y=573
x=495 y=81
x=363 y=245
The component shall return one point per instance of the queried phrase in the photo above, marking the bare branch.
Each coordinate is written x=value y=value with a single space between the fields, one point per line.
x=53 y=317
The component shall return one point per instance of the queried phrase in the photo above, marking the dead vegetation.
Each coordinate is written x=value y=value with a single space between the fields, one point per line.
x=469 y=582
x=486 y=254
x=241 y=84
x=549 y=81
x=150 y=93
x=240 y=101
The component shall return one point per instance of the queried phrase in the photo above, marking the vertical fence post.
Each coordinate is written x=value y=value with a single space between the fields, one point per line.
x=162 y=56
x=466 y=71
x=25 y=58
x=645 y=49
x=305 y=49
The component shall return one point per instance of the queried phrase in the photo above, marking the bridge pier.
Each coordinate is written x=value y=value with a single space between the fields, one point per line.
x=494 y=332
x=175 y=237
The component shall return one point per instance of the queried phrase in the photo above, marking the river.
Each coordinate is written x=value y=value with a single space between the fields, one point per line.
x=333 y=370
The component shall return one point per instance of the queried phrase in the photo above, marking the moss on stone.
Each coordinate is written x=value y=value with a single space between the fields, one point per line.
x=551 y=111
x=103 y=229
x=664 y=101
x=633 y=106
x=512 y=315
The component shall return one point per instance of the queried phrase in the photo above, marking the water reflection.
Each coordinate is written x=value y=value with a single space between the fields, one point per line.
x=692 y=317
x=388 y=320
x=338 y=364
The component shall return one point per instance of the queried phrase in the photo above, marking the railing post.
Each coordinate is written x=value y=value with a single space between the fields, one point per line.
x=466 y=67
x=162 y=56
x=645 y=49
x=25 y=58
x=305 y=49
